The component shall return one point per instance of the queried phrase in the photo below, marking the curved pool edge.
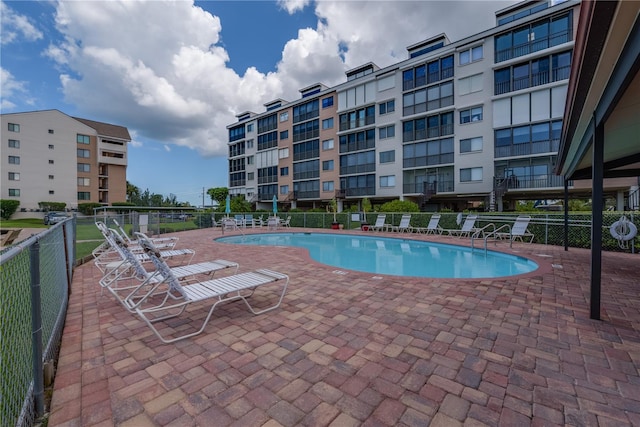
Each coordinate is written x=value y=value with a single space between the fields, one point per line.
x=543 y=261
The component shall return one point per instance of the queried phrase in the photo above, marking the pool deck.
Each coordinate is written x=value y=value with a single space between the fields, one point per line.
x=347 y=348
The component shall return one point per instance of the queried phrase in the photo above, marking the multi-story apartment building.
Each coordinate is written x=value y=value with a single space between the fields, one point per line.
x=48 y=156
x=456 y=125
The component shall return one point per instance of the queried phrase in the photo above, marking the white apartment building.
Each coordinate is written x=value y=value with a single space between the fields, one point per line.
x=475 y=122
x=48 y=156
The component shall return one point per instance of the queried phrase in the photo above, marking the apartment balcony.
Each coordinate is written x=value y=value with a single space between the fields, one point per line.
x=299 y=195
x=112 y=157
x=359 y=192
x=535 y=45
x=444 y=186
x=527 y=149
x=266 y=196
x=528 y=183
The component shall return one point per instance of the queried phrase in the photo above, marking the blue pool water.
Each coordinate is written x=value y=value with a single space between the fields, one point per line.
x=400 y=257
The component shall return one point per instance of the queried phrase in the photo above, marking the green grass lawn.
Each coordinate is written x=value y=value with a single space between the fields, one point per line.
x=22 y=223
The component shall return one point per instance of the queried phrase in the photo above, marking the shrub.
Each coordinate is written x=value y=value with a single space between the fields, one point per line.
x=52 y=206
x=8 y=208
x=399 y=206
x=87 y=208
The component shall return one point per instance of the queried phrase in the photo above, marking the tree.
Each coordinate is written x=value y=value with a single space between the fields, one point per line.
x=218 y=194
x=133 y=193
x=8 y=208
x=239 y=204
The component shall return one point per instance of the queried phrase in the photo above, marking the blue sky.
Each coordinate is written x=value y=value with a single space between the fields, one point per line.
x=176 y=73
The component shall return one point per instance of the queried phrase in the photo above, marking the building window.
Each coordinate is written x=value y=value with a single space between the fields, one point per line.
x=284 y=189
x=14 y=160
x=84 y=167
x=471 y=144
x=283 y=153
x=284 y=134
x=14 y=192
x=50 y=146
x=471 y=115
x=250 y=176
x=50 y=161
x=82 y=139
x=51 y=192
x=84 y=153
x=387 y=132
x=470 y=84
x=327 y=123
x=14 y=127
x=50 y=130
x=84 y=195
x=387 y=107
x=537 y=72
x=428 y=127
x=250 y=160
x=388 y=181
x=470 y=174
x=388 y=156
x=250 y=127
x=84 y=182
x=249 y=143
x=327 y=186
x=284 y=171
x=14 y=143
x=50 y=176
x=471 y=55
x=357 y=118
x=427 y=99
x=14 y=176
x=327 y=102
x=327 y=165
x=327 y=144
x=539 y=35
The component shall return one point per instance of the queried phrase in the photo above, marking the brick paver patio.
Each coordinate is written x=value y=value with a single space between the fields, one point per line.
x=348 y=349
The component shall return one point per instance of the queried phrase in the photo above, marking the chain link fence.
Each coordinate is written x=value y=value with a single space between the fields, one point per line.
x=548 y=228
x=35 y=277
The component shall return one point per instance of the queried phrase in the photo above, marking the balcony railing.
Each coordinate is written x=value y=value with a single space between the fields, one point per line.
x=445 y=186
x=533 y=46
x=312 y=194
x=519 y=183
x=528 y=148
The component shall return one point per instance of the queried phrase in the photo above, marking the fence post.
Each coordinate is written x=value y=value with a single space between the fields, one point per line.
x=546 y=229
x=36 y=330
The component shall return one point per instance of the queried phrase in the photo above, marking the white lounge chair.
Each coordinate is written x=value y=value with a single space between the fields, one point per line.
x=160 y=242
x=380 y=223
x=286 y=222
x=125 y=281
x=177 y=297
x=273 y=222
x=229 y=224
x=404 y=225
x=433 y=226
x=518 y=231
x=107 y=257
x=468 y=227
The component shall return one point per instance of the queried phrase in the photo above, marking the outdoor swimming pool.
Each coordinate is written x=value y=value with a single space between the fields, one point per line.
x=400 y=257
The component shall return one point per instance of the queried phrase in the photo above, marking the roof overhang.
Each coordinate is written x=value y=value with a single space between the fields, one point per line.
x=604 y=89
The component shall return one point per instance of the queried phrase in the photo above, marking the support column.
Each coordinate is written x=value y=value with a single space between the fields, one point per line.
x=597 y=174
x=566 y=214
x=620 y=201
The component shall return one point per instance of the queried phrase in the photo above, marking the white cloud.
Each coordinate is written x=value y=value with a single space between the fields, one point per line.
x=15 y=27
x=292 y=6
x=10 y=88
x=169 y=80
